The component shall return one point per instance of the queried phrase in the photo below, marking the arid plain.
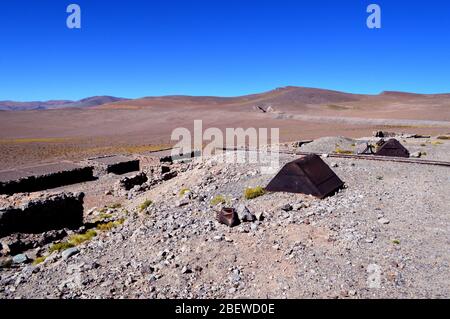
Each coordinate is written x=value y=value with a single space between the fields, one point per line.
x=109 y=125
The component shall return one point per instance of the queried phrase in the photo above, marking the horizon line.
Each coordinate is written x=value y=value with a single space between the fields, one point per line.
x=216 y=96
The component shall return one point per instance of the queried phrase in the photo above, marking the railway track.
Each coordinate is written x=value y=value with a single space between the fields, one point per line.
x=358 y=157
x=383 y=159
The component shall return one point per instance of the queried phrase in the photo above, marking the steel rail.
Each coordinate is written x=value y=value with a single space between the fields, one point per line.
x=355 y=156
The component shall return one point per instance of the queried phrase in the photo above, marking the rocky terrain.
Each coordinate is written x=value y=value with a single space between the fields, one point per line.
x=385 y=235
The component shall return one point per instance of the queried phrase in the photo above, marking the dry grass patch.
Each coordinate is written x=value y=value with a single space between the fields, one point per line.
x=339 y=150
x=184 y=191
x=111 y=225
x=337 y=107
x=219 y=199
x=145 y=205
x=251 y=193
x=35 y=140
x=60 y=247
x=39 y=260
x=78 y=239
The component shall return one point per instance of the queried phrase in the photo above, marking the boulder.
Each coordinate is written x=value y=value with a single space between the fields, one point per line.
x=244 y=214
x=20 y=259
x=66 y=254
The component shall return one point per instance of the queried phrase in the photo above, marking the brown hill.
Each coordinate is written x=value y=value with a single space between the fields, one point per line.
x=282 y=97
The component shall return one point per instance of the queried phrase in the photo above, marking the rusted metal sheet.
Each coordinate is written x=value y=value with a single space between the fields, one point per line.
x=308 y=175
x=228 y=216
x=392 y=148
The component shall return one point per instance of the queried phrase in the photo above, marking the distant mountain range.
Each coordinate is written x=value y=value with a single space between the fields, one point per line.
x=58 y=104
x=289 y=97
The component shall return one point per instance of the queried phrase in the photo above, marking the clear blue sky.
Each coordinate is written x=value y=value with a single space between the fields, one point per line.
x=138 y=48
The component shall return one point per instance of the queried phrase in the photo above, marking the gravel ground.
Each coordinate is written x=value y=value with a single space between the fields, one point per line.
x=386 y=235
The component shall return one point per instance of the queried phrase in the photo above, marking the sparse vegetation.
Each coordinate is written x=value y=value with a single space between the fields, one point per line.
x=104 y=216
x=115 y=206
x=396 y=242
x=39 y=260
x=35 y=140
x=184 y=191
x=110 y=225
x=443 y=137
x=436 y=143
x=145 y=205
x=380 y=178
x=81 y=238
x=337 y=107
x=251 y=193
x=339 y=150
x=142 y=148
x=219 y=199
x=106 y=226
x=78 y=239
x=60 y=247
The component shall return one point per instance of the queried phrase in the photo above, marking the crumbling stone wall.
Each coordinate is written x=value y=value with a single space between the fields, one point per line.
x=57 y=211
x=128 y=183
x=116 y=164
x=34 y=183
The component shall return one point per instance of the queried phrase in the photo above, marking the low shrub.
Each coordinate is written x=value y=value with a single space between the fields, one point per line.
x=219 y=199
x=60 y=246
x=104 y=216
x=145 y=205
x=39 y=260
x=184 y=191
x=251 y=193
x=78 y=239
x=110 y=225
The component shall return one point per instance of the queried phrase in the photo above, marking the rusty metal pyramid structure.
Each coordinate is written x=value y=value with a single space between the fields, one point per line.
x=392 y=148
x=308 y=175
